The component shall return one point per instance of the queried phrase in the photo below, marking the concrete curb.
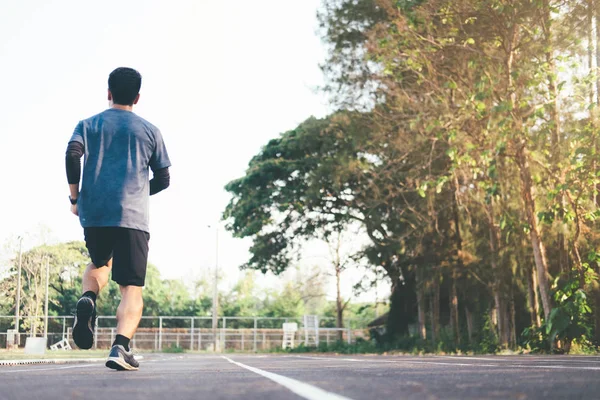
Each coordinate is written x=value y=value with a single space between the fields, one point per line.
x=51 y=361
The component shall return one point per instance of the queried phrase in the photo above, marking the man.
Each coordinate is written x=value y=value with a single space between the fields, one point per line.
x=119 y=148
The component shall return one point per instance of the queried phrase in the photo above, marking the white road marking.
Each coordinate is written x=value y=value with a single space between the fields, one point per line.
x=49 y=361
x=302 y=389
x=47 y=369
x=455 y=364
x=507 y=358
x=469 y=358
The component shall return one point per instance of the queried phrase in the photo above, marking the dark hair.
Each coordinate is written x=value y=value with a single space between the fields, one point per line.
x=124 y=84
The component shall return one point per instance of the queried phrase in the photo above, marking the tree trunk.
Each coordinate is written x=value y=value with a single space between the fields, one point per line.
x=513 y=323
x=469 y=318
x=522 y=160
x=459 y=265
x=454 y=311
x=532 y=301
x=554 y=126
x=497 y=285
x=421 y=307
x=339 y=304
x=501 y=320
x=590 y=48
x=539 y=252
x=594 y=12
x=435 y=311
x=597 y=17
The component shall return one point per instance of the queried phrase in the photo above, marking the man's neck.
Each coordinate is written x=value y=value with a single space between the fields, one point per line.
x=122 y=107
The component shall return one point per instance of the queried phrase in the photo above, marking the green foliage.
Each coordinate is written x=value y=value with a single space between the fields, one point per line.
x=569 y=321
x=360 y=346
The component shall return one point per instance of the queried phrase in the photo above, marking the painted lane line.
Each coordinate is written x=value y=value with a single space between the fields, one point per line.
x=394 y=362
x=50 y=361
x=536 y=359
x=47 y=369
x=525 y=366
x=300 y=388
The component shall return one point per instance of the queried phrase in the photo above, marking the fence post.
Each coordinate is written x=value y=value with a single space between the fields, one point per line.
x=112 y=335
x=64 y=327
x=200 y=340
x=255 y=326
x=349 y=336
x=264 y=339
x=192 y=334
x=159 y=333
x=224 y=335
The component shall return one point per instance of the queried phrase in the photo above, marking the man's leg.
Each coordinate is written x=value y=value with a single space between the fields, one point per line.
x=129 y=314
x=130 y=309
x=99 y=242
x=95 y=278
x=131 y=260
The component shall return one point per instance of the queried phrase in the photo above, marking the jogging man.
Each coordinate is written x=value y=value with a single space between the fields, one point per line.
x=119 y=148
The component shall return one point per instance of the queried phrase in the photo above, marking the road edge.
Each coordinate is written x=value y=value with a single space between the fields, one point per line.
x=10 y=363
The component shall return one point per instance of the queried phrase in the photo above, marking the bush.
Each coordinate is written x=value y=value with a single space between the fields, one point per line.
x=361 y=346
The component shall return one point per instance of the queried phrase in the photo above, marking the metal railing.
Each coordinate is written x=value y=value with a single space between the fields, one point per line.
x=248 y=334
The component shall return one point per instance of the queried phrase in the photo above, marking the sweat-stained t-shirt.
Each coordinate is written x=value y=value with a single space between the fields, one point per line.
x=120 y=147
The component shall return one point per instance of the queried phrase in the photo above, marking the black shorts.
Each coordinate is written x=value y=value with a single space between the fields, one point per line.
x=127 y=247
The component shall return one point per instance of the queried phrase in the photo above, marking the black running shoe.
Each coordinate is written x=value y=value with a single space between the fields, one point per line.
x=85 y=323
x=121 y=360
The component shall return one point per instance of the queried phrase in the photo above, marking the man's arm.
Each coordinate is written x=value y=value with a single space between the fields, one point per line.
x=73 y=167
x=160 y=180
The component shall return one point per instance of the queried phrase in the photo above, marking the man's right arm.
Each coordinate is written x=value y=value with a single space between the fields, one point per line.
x=73 y=166
x=73 y=162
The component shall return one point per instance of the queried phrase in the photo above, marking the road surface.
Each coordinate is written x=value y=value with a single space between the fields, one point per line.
x=249 y=377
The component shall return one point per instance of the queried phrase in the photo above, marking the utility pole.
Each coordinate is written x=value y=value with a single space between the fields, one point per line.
x=215 y=305
x=18 y=301
x=46 y=305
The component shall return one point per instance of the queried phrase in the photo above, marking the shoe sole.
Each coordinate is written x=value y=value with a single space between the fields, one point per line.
x=118 y=364
x=83 y=336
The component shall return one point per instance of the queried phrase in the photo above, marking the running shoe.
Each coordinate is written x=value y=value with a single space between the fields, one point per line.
x=85 y=323
x=121 y=359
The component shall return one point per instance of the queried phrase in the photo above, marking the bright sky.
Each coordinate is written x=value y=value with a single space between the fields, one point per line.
x=219 y=79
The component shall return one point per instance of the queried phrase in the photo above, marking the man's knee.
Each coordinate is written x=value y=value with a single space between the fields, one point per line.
x=133 y=296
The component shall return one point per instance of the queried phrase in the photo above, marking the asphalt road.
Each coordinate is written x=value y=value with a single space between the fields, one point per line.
x=250 y=377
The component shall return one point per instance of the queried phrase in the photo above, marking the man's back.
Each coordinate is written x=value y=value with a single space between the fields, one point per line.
x=119 y=148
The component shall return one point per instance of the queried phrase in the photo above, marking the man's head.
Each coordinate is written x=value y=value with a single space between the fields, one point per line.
x=124 y=86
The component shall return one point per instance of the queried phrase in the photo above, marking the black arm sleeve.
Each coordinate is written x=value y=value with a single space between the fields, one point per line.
x=160 y=180
x=73 y=162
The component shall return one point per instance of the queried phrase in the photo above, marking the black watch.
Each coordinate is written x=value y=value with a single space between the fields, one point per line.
x=72 y=200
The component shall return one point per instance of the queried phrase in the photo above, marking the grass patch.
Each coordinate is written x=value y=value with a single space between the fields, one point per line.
x=173 y=349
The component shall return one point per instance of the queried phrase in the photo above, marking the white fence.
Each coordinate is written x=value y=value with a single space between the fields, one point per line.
x=249 y=334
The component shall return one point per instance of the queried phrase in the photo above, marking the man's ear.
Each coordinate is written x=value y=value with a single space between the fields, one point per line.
x=109 y=95
x=137 y=98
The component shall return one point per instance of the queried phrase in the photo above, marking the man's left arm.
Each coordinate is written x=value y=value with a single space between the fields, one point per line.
x=159 y=164
x=160 y=180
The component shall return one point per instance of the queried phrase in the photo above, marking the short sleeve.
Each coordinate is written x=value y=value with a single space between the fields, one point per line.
x=78 y=134
x=160 y=157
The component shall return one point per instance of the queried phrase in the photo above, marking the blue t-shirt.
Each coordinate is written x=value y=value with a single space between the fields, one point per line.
x=119 y=147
